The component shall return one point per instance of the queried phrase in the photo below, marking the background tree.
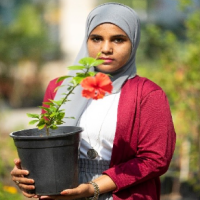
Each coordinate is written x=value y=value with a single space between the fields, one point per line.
x=24 y=42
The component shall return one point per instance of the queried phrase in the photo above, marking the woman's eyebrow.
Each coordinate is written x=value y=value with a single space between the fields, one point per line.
x=113 y=36
x=94 y=35
x=120 y=35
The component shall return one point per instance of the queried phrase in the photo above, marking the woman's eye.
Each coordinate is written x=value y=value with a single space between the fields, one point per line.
x=96 y=39
x=118 y=40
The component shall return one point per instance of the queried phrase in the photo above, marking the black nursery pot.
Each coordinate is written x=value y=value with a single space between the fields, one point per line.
x=52 y=161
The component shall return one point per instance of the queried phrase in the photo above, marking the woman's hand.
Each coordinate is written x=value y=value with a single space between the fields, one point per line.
x=104 y=182
x=83 y=190
x=18 y=176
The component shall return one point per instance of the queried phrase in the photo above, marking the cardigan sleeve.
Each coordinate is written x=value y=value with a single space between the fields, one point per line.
x=50 y=91
x=155 y=144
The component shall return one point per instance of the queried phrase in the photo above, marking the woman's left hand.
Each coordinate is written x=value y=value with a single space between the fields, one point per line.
x=104 y=182
x=83 y=190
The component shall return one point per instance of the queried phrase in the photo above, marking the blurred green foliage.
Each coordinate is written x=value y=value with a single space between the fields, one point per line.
x=7 y=155
x=9 y=193
x=174 y=64
x=25 y=38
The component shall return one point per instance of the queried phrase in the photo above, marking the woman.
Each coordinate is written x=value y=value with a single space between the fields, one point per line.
x=128 y=138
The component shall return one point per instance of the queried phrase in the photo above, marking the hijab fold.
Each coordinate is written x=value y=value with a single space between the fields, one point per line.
x=125 y=18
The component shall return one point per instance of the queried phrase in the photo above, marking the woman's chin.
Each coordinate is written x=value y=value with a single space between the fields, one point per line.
x=106 y=68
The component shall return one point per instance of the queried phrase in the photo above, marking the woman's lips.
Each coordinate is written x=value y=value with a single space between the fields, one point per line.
x=107 y=60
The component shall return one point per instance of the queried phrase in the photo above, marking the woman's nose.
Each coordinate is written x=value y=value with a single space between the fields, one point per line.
x=106 y=48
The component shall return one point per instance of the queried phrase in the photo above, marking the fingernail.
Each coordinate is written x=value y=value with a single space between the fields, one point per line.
x=43 y=197
x=64 y=192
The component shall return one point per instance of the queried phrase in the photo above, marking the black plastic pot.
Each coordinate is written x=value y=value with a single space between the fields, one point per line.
x=51 y=160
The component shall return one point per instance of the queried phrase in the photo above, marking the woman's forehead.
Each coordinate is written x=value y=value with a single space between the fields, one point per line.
x=108 y=27
x=108 y=30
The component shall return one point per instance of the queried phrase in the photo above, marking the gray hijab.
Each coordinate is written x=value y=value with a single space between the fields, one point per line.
x=126 y=19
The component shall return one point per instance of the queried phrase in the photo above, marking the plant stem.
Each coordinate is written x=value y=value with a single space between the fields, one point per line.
x=51 y=119
x=47 y=130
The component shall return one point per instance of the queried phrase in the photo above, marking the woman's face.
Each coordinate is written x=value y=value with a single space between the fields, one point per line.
x=114 y=45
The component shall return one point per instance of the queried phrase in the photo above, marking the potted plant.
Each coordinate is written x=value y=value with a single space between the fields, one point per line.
x=50 y=151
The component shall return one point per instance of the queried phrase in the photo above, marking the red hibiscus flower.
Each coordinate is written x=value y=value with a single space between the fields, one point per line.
x=96 y=87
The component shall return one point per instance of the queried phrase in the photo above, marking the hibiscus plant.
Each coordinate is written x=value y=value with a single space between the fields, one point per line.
x=95 y=85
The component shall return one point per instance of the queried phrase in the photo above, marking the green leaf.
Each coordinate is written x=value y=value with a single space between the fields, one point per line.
x=56 y=102
x=87 y=61
x=53 y=126
x=69 y=88
x=90 y=62
x=78 y=67
x=98 y=62
x=53 y=114
x=78 y=80
x=88 y=74
x=48 y=103
x=60 y=122
x=98 y=54
x=52 y=109
x=61 y=115
x=41 y=126
x=91 y=73
x=44 y=108
x=62 y=78
x=70 y=117
x=81 y=75
x=33 y=115
x=33 y=122
x=42 y=120
x=46 y=115
x=74 y=82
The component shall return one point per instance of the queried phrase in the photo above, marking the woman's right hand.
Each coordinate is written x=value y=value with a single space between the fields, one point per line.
x=18 y=176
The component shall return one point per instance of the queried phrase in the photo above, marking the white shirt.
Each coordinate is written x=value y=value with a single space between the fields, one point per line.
x=99 y=121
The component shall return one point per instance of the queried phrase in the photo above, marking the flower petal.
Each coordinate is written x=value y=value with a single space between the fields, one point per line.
x=99 y=94
x=88 y=83
x=96 y=87
x=88 y=93
x=103 y=81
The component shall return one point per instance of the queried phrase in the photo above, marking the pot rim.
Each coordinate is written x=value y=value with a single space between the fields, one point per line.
x=43 y=137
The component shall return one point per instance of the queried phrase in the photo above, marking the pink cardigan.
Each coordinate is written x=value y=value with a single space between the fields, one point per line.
x=144 y=141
